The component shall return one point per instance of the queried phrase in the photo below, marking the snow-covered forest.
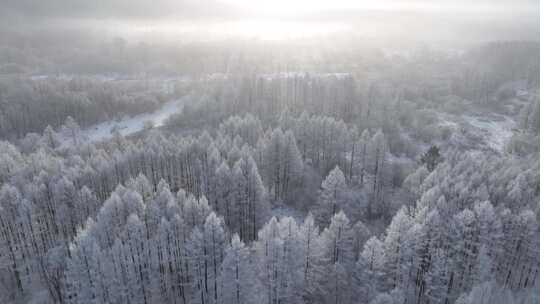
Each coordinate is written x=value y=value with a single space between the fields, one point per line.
x=228 y=173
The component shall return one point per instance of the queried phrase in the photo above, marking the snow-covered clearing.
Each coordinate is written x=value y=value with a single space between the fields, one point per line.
x=130 y=125
x=496 y=130
x=479 y=131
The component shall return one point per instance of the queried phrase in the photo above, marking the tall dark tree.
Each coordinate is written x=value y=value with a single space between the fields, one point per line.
x=431 y=158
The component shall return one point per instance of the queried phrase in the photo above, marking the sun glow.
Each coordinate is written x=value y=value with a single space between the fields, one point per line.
x=293 y=19
x=289 y=7
x=264 y=29
x=268 y=20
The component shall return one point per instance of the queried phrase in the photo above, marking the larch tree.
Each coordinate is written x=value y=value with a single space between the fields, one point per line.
x=311 y=258
x=281 y=163
x=331 y=197
x=239 y=282
x=369 y=268
x=224 y=193
x=378 y=162
x=250 y=196
x=363 y=157
x=214 y=234
x=396 y=248
x=72 y=130
x=337 y=242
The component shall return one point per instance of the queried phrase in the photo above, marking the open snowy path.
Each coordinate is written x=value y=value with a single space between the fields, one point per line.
x=130 y=125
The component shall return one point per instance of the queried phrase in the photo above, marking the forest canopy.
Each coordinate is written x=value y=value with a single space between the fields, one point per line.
x=156 y=163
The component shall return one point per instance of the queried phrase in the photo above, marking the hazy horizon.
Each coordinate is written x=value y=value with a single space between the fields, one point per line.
x=168 y=20
x=269 y=152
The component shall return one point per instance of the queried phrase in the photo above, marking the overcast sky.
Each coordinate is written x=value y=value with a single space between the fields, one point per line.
x=197 y=9
x=42 y=14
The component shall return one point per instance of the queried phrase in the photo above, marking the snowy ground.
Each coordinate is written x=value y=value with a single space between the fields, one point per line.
x=496 y=130
x=479 y=131
x=130 y=125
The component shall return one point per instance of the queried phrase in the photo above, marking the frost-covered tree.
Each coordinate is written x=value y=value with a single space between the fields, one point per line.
x=534 y=118
x=214 y=234
x=368 y=270
x=337 y=242
x=281 y=164
x=72 y=130
x=397 y=249
x=378 y=162
x=239 y=282
x=250 y=198
x=332 y=196
x=310 y=258
x=364 y=143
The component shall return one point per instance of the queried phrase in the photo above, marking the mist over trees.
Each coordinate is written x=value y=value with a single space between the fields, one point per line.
x=288 y=174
